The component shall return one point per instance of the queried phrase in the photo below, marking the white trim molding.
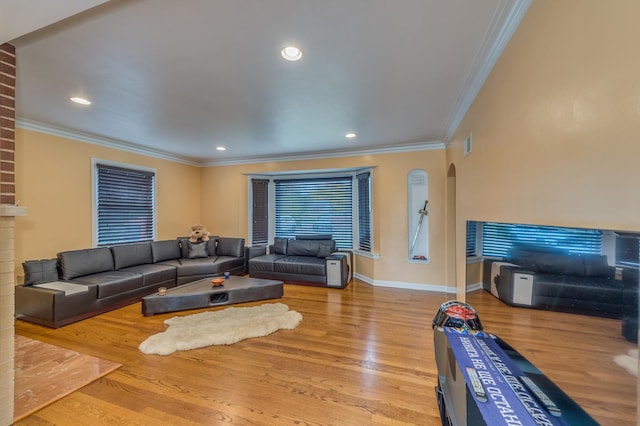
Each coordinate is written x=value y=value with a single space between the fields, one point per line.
x=406 y=286
x=505 y=21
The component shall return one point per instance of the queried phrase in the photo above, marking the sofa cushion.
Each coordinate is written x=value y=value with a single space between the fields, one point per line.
x=314 y=237
x=154 y=274
x=197 y=250
x=303 y=265
x=313 y=248
x=596 y=265
x=264 y=263
x=76 y=263
x=165 y=250
x=559 y=264
x=112 y=283
x=40 y=271
x=302 y=248
x=126 y=255
x=230 y=247
x=325 y=248
x=280 y=245
x=201 y=266
x=212 y=246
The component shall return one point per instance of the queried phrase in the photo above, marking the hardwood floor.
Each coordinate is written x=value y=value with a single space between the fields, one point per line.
x=362 y=355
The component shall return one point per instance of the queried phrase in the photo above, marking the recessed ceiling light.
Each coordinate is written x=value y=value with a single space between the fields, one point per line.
x=350 y=135
x=221 y=148
x=79 y=100
x=291 y=53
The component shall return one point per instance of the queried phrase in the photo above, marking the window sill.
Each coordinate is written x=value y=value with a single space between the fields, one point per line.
x=367 y=254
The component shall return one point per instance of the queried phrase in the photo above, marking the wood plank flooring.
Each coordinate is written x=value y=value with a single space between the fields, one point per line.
x=361 y=356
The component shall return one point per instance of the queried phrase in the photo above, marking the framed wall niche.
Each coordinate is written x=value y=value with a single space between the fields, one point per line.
x=418 y=215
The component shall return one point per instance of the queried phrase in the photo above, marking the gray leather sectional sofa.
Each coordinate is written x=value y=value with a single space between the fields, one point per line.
x=549 y=279
x=83 y=283
x=305 y=259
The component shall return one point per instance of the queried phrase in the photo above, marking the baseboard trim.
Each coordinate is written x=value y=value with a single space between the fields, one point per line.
x=405 y=286
x=474 y=287
x=413 y=286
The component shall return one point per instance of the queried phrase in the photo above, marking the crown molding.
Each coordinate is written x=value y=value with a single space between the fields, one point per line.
x=389 y=149
x=149 y=152
x=94 y=139
x=505 y=21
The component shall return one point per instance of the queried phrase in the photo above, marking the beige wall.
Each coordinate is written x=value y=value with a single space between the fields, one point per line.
x=53 y=179
x=54 y=182
x=225 y=208
x=556 y=125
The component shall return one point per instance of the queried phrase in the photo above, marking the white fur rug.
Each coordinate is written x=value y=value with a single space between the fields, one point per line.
x=629 y=361
x=220 y=328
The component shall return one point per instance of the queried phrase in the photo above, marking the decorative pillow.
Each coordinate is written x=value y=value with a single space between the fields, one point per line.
x=280 y=245
x=197 y=250
x=40 y=271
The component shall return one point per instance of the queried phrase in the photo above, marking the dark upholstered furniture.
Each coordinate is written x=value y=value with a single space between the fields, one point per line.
x=83 y=283
x=553 y=280
x=305 y=259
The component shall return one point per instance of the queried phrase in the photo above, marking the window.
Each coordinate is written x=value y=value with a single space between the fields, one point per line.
x=364 y=212
x=498 y=238
x=260 y=208
x=472 y=237
x=337 y=204
x=627 y=249
x=124 y=204
x=315 y=206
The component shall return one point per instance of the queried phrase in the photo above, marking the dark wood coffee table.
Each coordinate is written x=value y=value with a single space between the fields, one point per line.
x=202 y=294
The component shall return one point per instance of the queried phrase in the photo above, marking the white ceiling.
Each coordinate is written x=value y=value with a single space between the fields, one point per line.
x=175 y=79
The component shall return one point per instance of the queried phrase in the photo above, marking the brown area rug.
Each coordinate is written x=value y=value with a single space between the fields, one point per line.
x=45 y=373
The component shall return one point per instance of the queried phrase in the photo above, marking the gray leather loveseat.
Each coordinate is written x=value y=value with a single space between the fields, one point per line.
x=82 y=283
x=305 y=259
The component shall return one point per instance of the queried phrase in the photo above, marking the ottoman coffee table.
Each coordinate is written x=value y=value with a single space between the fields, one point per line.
x=202 y=294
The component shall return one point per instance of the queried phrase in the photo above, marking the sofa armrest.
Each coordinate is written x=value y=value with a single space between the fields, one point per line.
x=49 y=307
x=337 y=270
x=251 y=252
x=511 y=277
x=255 y=251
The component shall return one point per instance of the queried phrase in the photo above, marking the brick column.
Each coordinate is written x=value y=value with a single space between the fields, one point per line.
x=7 y=225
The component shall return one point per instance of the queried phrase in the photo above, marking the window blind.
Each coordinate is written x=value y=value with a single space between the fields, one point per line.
x=125 y=205
x=472 y=234
x=260 y=211
x=498 y=238
x=315 y=206
x=364 y=211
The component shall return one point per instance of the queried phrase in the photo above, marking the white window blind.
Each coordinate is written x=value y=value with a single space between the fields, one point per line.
x=125 y=205
x=315 y=206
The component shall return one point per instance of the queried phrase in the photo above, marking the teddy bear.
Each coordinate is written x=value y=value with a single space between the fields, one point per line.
x=198 y=232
